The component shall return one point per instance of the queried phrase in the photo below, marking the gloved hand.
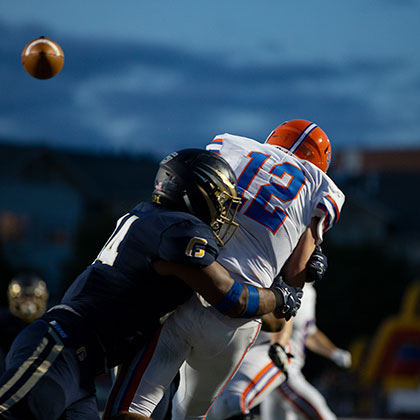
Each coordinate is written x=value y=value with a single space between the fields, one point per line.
x=288 y=298
x=316 y=266
x=280 y=357
x=341 y=358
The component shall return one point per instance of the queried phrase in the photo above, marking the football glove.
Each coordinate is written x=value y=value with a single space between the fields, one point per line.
x=316 y=266
x=280 y=357
x=288 y=298
x=341 y=358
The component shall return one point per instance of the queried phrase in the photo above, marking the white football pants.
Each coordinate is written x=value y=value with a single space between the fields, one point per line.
x=296 y=399
x=255 y=379
x=205 y=346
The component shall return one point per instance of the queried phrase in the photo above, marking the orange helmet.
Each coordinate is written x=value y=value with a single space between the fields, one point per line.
x=305 y=139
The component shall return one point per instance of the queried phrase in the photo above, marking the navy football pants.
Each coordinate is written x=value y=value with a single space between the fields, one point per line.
x=47 y=380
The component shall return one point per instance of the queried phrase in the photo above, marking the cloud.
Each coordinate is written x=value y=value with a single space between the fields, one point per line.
x=147 y=97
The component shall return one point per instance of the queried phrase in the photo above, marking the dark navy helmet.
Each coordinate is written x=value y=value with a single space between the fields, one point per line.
x=201 y=183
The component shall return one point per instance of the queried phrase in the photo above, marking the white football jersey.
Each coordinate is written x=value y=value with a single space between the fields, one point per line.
x=304 y=325
x=280 y=195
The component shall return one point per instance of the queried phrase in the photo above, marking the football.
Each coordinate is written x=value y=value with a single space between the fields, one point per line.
x=42 y=58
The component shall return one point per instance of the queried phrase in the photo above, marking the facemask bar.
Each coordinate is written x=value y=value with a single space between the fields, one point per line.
x=224 y=227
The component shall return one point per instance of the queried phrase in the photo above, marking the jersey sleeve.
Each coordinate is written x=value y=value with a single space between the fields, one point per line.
x=328 y=204
x=311 y=327
x=309 y=306
x=216 y=144
x=188 y=242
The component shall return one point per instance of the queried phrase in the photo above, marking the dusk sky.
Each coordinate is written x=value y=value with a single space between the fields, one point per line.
x=156 y=76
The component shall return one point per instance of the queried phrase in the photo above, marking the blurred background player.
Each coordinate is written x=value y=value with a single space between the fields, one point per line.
x=27 y=296
x=257 y=376
x=266 y=365
x=288 y=202
x=296 y=398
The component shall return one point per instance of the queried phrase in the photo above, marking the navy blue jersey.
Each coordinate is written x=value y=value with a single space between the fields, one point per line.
x=10 y=327
x=120 y=294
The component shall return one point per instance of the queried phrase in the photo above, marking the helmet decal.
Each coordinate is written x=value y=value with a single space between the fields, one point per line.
x=302 y=137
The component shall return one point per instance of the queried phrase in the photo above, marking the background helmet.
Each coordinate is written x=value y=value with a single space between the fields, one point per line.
x=201 y=183
x=305 y=139
x=28 y=296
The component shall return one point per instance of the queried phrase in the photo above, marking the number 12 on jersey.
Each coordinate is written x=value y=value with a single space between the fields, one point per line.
x=285 y=183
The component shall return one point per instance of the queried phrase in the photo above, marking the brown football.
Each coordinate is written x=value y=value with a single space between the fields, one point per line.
x=42 y=58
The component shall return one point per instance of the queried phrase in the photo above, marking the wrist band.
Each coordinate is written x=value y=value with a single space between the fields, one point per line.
x=253 y=302
x=231 y=298
x=279 y=298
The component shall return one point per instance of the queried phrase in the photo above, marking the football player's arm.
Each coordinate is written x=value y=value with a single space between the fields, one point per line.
x=270 y=323
x=277 y=350
x=294 y=271
x=282 y=337
x=319 y=343
x=219 y=289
